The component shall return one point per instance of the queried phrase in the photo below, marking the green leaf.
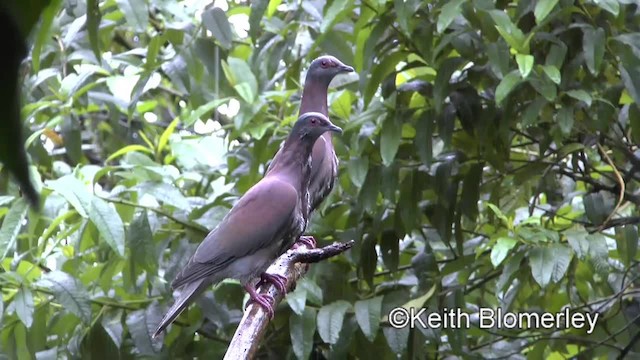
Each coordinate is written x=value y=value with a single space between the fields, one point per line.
x=565 y=120
x=215 y=20
x=593 y=43
x=525 y=64
x=627 y=241
x=450 y=10
x=549 y=263
x=23 y=302
x=140 y=242
x=74 y=191
x=69 y=292
x=297 y=300
x=238 y=72
x=543 y=8
x=501 y=249
x=379 y=72
x=43 y=34
x=164 y=138
x=509 y=31
x=302 y=328
x=552 y=73
x=196 y=114
x=630 y=72
x=330 y=319
x=11 y=225
x=109 y=224
x=136 y=12
x=499 y=214
x=544 y=87
x=580 y=95
x=258 y=9
x=390 y=249
x=165 y=193
x=336 y=12
x=368 y=316
x=93 y=27
x=357 y=170
x=612 y=6
x=390 y=138
x=508 y=83
x=142 y=324
x=396 y=338
x=471 y=191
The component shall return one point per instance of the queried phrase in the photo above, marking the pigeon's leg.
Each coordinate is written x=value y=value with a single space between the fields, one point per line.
x=264 y=300
x=307 y=240
x=279 y=281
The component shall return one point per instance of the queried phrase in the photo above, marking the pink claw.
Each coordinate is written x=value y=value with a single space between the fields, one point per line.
x=279 y=281
x=310 y=241
x=264 y=300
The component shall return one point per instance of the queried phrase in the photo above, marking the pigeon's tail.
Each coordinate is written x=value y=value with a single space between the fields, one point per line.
x=189 y=292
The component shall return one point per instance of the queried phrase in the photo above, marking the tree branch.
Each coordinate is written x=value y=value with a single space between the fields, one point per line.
x=292 y=265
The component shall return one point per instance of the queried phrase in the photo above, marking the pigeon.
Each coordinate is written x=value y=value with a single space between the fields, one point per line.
x=264 y=223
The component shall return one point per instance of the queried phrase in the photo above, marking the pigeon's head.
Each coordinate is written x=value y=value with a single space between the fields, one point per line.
x=311 y=125
x=326 y=67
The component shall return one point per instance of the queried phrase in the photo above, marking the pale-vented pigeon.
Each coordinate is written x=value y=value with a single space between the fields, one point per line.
x=324 y=164
x=261 y=226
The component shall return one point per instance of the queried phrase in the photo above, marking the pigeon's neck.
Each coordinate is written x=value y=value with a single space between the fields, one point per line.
x=314 y=98
x=293 y=164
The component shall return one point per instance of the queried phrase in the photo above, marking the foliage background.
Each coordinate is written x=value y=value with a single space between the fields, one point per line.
x=489 y=159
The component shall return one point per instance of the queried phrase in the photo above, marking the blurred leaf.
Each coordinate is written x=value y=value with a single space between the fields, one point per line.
x=449 y=11
x=69 y=292
x=140 y=241
x=136 y=13
x=43 y=33
x=500 y=250
x=303 y=327
x=549 y=263
x=368 y=316
x=93 y=26
x=611 y=6
x=24 y=306
x=142 y=324
x=336 y=11
x=543 y=8
x=627 y=241
x=525 y=64
x=109 y=224
x=11 y=225
x=509 y=31
x=593 y=43
x=396 y=338
x=390 y=137
x=565 y=120
x=510 y=81
x=330 y=319
x=215 y=20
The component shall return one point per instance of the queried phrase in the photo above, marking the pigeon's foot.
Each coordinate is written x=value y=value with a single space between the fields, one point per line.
x=310 y=241
x=264 y=300
x=279 y=281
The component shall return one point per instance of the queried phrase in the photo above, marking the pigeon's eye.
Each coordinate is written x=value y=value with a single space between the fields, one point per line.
x=314 y=121
x=324 y=63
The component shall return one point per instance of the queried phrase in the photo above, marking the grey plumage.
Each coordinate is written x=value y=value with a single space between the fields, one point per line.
x=261 y=226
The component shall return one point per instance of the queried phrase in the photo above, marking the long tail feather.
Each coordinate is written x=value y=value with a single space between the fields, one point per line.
x=186 y=297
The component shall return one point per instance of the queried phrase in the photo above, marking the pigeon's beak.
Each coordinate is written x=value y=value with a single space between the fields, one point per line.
x=334 y=128
x=346 y=68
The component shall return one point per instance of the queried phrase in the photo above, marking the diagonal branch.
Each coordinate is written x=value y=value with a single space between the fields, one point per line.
x=292 y=265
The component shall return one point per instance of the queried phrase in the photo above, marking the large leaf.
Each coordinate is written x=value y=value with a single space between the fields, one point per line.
x=69 y=292
x=136 y=12
x=368 y=316
x=105 y=217
x=11 y=226
x=549 y=263
x=330 y=320
x=303 y=327
x=142 y=324
x=215 y=20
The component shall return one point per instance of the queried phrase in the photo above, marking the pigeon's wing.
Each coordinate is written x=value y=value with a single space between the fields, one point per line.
x=260 y=217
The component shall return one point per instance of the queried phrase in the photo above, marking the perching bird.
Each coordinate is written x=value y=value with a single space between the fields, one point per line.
x=324 y=168
x=261 y=226
x=324 y=163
